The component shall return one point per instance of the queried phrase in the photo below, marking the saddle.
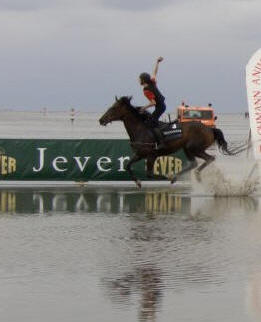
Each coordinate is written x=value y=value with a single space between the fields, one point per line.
x=163 y=131
x=166 y=131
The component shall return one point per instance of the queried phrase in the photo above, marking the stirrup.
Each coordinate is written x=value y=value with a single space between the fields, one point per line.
x=160 y=145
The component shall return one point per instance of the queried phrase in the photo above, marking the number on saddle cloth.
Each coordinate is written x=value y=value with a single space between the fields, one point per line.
x=171 y=130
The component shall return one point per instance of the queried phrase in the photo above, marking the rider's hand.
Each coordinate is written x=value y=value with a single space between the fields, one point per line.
x=160 y=59
x=142 y=109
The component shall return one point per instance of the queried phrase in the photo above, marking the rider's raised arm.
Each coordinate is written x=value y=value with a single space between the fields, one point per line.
x=156 y=68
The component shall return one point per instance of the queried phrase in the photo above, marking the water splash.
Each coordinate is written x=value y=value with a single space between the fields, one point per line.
x=229 y=178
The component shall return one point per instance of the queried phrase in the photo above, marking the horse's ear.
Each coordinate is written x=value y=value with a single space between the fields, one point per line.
x=116 y=99
x=129 y=98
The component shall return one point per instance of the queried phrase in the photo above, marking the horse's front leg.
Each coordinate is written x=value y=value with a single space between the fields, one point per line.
x=134 y=159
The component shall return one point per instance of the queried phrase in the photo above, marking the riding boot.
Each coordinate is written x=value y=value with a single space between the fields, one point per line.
x=159 y=138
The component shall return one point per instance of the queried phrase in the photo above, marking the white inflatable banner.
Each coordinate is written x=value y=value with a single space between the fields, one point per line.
x=253 y=83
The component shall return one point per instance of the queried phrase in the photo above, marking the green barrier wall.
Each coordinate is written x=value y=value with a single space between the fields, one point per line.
x=76 y=160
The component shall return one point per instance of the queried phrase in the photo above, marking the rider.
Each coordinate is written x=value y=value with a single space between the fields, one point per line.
x=155 y=98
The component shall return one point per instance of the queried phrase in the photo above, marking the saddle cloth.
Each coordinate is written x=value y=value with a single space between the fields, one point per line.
x=171 y=130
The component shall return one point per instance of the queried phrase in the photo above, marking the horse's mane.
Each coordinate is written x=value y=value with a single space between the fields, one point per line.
x=126 y=100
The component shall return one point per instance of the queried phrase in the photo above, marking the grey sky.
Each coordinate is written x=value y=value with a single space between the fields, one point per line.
x=137 y=5
x=63 y=53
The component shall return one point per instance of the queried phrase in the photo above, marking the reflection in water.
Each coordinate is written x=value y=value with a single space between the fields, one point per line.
x=254 y=296
x=117 y=202
x=159 y=245
x=253 y=290
x=203 y=206
x=145 y=280
x=93 y=201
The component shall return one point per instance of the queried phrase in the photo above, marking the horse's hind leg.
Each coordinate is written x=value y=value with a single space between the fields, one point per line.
x=191 y=165
x=208 y=159
x=134 y=159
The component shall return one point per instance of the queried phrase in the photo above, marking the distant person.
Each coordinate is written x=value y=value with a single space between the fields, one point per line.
x=72 y=115
x=155 y=97
x=246 y=115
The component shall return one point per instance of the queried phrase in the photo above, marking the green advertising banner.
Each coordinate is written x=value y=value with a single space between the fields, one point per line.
x=76 y=160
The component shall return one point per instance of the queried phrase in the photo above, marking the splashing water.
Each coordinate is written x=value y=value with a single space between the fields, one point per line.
x=230 y=178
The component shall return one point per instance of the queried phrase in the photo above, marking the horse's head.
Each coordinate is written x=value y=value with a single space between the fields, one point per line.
x=117 y=111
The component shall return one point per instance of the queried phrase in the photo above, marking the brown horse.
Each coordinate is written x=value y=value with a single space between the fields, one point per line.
x=196 y=138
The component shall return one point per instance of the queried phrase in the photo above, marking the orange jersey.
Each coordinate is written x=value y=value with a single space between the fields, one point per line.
x=148 y=91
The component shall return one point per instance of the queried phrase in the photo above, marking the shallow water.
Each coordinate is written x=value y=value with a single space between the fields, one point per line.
x=102 y=254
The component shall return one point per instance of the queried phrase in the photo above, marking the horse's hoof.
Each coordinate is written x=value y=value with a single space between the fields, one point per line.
x=197 y=175
x=138 y=184
x=173 y=180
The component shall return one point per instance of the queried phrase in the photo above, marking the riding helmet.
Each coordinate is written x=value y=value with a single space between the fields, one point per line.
x=145 y=78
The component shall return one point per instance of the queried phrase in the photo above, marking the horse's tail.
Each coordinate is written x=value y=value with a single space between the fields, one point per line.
x=223 y=146
x=220 y=139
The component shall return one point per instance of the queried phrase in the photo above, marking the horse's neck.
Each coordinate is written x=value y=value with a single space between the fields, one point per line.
x=134 y=126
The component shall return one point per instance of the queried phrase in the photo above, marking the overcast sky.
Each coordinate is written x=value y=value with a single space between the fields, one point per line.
x=81 y=53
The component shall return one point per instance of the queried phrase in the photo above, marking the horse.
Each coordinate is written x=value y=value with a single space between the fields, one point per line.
x=195 y=139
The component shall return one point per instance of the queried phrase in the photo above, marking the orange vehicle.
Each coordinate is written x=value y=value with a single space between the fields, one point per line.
x=201 y=114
